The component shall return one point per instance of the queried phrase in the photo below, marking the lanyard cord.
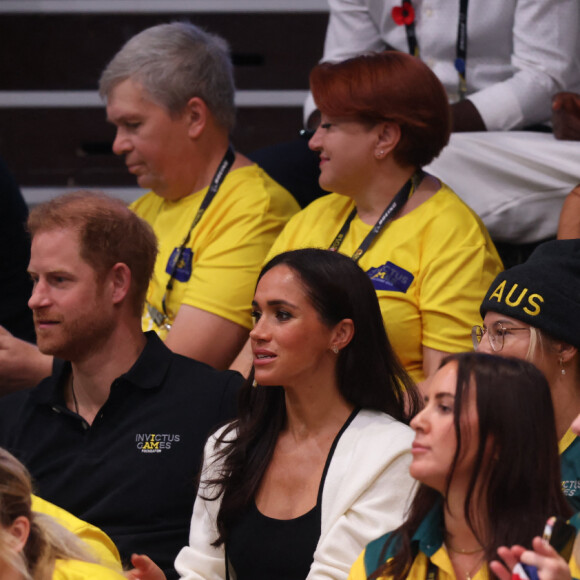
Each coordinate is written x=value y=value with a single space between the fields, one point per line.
x=432 y=571
x=460 y=46
x=220 y=174
x=411 y=36
x=388 y=214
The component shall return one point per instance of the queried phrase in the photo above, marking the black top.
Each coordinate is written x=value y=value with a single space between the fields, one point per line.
x=132 y=472
x=263 y=548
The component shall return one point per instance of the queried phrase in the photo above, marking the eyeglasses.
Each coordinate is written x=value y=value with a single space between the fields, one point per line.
x=495 y=334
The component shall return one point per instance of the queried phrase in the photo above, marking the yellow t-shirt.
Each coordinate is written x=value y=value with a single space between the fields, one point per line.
x=431 y=268
x=99 y=543
x=222 y=260
x=445 y=568
x=77 y=570
x=419 y=568
x=428 y=542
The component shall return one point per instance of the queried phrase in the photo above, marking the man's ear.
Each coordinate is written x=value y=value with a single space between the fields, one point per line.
x=343 y=333
x=120 y=280
x=388 y=137
x=196 y=116
x=19 y=531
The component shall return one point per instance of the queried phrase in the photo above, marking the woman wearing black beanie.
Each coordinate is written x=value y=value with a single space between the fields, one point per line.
x=532 y=311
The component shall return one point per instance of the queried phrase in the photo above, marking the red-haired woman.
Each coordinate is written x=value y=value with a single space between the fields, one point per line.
x=384 y=116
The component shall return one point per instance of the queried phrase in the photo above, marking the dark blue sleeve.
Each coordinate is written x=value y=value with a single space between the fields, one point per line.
x=12 y=410
x=229 y=402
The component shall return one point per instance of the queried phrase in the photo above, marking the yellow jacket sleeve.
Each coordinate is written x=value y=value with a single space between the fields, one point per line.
x=358 y=572
x=100 y=545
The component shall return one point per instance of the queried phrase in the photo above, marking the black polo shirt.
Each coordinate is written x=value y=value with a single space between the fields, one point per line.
x=133 y=472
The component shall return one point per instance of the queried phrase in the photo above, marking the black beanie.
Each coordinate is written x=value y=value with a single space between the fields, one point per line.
x=543 y=292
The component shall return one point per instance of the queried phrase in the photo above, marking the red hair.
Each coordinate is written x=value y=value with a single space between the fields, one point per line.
x=388 y=86
x=109 y=232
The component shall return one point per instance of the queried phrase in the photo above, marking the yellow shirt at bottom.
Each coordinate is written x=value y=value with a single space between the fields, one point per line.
x=419 y=568
x=77 y=570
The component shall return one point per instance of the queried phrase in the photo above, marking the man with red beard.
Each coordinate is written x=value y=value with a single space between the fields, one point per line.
x=115 y=435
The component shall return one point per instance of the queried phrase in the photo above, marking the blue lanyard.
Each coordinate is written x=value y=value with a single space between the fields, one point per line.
x=460 y=46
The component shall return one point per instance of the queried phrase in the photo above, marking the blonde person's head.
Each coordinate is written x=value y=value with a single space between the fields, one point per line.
x=33 y=556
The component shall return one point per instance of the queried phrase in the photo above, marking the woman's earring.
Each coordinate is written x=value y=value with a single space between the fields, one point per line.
x=562 y=366
x=335 y=349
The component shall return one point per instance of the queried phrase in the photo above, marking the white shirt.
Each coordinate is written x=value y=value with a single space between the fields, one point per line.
x=519 y=52
x=366 y=493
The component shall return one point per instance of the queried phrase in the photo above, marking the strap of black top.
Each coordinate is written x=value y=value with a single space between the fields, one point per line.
x=460 y=47
x=220 y=174
x=390 y=211
x=228 y=562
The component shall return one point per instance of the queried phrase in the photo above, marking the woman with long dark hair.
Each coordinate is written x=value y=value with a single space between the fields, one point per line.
x=486 y=454
x=318 y=460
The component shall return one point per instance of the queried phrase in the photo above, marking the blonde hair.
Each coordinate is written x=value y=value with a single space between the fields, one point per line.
x=47 y=540
x=536 y=344
x=542 y=344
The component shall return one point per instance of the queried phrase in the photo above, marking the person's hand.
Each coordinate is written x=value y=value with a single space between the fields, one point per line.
x=510 y=556
x=550 y=565
x=466 y=117
x=144 y=569
x=566 y=116
x=22 y=365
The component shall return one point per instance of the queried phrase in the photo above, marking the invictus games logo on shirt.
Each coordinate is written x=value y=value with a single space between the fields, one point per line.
x=391 y=277
x=155 y=442
x=571 y=487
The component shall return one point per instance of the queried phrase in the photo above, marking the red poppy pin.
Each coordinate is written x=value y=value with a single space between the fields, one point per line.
x=404 y=14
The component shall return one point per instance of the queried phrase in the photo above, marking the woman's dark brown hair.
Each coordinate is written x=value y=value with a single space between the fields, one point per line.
x=517 y=463
x=368 y=373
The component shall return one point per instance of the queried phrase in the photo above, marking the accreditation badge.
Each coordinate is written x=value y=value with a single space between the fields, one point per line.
x=182 y=270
